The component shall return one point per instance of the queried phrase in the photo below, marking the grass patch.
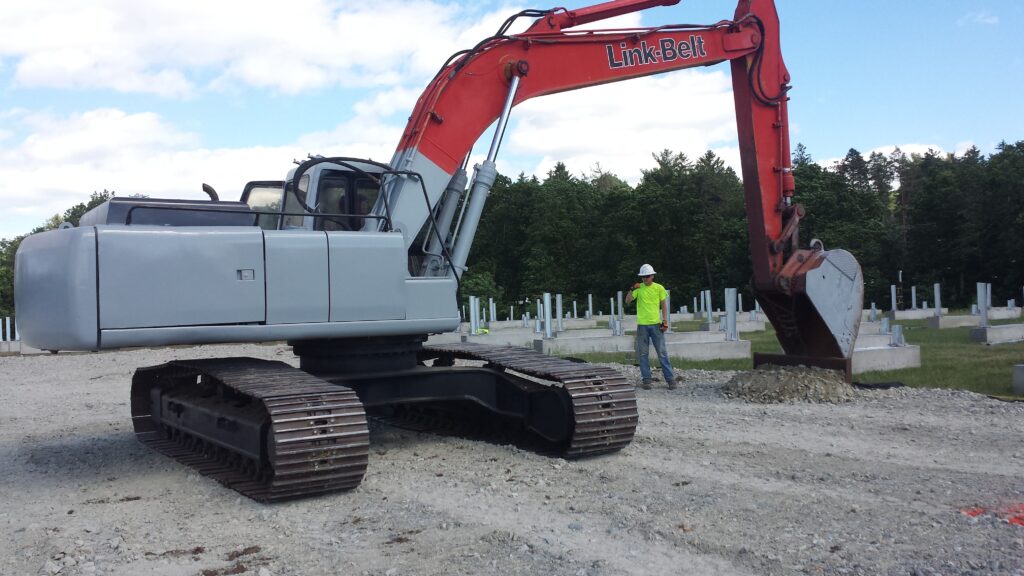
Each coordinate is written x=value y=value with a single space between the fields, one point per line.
x=948 y=358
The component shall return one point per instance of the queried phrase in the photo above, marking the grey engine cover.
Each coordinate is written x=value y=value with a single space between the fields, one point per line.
x=111 y=286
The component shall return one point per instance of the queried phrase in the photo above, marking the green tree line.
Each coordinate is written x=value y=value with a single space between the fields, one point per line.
x=935 y=217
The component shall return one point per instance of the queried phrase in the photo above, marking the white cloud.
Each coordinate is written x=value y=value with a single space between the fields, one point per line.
x=64 y=159
x=174 y=47
x=386 y=103
x=980 y=17
x=97 y=135
x=961 y=148
x=620 y=125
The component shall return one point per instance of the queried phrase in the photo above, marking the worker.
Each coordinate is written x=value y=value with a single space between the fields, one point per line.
x=651 y=323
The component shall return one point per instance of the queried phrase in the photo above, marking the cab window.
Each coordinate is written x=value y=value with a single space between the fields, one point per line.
x=366 y=195
x=293 y=205
x=332 y=198
x=265 y=199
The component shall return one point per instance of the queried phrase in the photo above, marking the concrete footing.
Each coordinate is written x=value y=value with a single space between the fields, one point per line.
x=869 y=328
x=690 y=346
x=1004 y=313
x=972 y=320
x=872 y=340
x=874 y=351
x=1003 y=334
x=886 y=358
x=953 y=321
x=919 y=314
x=743 y=322
x=567 y=323
x=19 y=347
x=741 y=326
x=510 y=337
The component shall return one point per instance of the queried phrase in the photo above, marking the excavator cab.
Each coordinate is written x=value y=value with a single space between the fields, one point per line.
x=339 y=201
x=343 y=192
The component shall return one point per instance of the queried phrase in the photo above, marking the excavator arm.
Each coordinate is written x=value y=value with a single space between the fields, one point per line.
x=813 y=297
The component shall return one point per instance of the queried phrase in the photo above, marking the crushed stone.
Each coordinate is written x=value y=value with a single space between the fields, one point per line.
x=777 y=384
x=898 y=482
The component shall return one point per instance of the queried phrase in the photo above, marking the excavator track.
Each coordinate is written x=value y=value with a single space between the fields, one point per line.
x=604 y=408
x=313 y=434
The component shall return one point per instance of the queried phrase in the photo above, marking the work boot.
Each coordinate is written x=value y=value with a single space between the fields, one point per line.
x=675 y=382
x=646 y=384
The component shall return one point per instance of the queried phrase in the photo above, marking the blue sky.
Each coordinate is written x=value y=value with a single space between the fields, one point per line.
x=157 y=97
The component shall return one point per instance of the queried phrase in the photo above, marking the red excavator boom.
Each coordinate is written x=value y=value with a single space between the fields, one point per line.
x=813 y=297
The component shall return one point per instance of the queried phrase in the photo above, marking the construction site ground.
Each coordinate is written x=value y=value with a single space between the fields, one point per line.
x=902 y=481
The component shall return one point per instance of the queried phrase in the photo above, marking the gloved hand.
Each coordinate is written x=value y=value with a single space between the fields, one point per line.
x=664 y=327
x=635 y=286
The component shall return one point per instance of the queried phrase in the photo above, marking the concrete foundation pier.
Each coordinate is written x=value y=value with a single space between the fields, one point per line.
x=1002 y=334
x=1004 y=313
x=919 y=314
x=687 y=345
x=741 y=326
x=876 y=349
x=872 y=340
x=939 y=322
x=886 y=358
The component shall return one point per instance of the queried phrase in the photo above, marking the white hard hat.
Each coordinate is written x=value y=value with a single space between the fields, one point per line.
x=646 y=270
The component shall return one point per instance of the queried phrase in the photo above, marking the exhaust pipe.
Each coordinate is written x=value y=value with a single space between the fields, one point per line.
x=209 y=190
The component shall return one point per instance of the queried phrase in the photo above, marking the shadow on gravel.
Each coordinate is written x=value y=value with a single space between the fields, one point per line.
x=404 y=426
x=87 y=458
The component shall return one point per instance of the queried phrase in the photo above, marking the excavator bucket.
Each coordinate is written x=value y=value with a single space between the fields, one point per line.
x=817 y=318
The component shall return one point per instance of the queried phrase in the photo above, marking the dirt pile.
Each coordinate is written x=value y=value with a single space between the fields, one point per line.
x=776 y=384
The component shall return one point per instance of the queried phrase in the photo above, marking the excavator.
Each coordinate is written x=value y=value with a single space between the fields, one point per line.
x=355 y=262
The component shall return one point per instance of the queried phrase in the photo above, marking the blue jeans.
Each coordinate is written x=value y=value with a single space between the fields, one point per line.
x=645 y=336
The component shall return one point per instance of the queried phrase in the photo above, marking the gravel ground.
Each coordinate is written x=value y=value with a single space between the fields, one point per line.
x=901 y=482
